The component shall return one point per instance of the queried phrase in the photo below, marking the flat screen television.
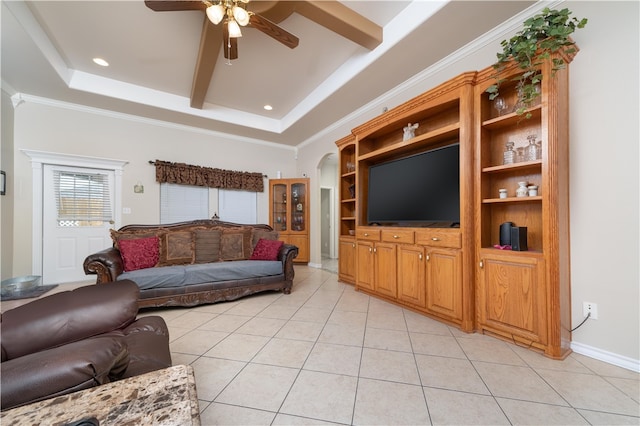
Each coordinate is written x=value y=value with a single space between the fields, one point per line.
x=419 y=190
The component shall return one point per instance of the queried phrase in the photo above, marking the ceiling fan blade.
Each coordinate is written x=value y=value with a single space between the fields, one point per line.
x=174 y=5
x=210 y=44
x=229 y=44
x=272 y=30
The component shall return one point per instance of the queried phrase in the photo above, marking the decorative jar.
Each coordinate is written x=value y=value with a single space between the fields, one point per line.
x=509 y=156
x=522 y=190
x=533 y=190
x=532 y=150
x=503 y=193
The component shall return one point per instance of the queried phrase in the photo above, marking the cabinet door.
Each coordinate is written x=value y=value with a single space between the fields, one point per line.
x=512 y=296
x=278 y=211
x=385 y=269
x=298 y=207
x=347 y=261
x=302 y=242
x=364 y=251
x=444 y=282
x=411 y=275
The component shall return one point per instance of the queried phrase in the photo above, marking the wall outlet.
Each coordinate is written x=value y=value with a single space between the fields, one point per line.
x=126 y=210
x=590 y=307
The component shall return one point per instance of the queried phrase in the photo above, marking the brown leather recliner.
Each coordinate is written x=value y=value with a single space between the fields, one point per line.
x=78 y=339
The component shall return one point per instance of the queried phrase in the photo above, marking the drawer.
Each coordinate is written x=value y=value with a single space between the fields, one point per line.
x=439 y=238
x=397 y=236
x=368 y=234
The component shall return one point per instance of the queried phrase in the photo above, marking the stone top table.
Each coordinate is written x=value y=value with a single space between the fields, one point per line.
x=163 y=397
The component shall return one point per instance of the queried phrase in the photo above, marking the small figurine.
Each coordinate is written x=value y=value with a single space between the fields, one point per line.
x=409 y=131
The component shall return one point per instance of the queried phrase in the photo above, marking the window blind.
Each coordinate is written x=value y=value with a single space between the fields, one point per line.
x=82 y=196
x=179 y=203
x=238 y=206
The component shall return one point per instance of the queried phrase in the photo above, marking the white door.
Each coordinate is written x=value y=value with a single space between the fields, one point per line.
x=77 y=214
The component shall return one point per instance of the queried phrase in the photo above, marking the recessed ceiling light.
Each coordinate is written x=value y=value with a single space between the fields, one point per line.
x=101 y=62
x=268 y=107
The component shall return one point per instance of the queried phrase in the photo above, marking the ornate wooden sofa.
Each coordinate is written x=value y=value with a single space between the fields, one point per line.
x=195 y=262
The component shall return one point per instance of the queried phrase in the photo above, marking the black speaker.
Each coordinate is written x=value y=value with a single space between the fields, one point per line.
x=519 y=238
x=505 y=233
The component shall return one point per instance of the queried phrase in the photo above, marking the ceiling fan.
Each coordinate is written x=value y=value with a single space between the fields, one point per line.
x=263 y=16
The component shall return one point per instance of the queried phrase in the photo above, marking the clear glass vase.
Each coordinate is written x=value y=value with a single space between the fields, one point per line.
x=509 y=155
x=531 y=153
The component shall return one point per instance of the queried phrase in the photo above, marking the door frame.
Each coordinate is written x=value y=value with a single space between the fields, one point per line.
x=38 y=160
x=332 y=219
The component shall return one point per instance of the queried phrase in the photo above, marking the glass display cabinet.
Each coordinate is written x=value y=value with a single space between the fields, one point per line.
x=289 y=213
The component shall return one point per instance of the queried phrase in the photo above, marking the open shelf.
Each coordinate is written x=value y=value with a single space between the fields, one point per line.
x=535 y=164
x=443 y=134
x=512 y=200
x=512 y=119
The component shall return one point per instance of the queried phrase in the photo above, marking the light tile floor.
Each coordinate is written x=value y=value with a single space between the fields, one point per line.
x=326 y=354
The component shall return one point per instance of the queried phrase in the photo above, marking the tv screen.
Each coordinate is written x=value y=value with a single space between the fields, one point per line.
x=420 y=190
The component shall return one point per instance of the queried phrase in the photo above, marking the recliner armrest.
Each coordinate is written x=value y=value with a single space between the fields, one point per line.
x=62 y=370
x=107 y=264
x=68 y=316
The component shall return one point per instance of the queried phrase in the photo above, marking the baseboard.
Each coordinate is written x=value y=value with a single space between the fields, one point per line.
x=608 y=357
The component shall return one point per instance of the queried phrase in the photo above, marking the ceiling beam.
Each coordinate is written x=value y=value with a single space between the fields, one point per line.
x=338 y=18
x=332 y=15
x=210 y=44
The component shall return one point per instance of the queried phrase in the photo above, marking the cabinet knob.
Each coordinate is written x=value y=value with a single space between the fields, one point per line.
x=375 y=250
x=420 y=256
x=353 y=245
x=366 y=234
x=370 y=249
x=435 y=239
x=428 y=257
x=396 y=237
x=481 y=264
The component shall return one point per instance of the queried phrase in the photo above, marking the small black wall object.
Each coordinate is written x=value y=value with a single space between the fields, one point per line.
x=519 y=238
x=505 y=233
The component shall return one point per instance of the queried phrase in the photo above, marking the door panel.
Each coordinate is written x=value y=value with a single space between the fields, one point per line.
x=66 y=243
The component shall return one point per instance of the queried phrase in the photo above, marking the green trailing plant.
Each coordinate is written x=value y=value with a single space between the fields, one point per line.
x=542 y=35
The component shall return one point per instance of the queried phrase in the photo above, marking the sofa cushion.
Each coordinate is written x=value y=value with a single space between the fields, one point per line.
x=235 y=244
x=230 y=271
x=166 y=276
x=207 y=245
x=266 y=250
x=176 y=248
x=258 y=234
x=118 y=236
x=139 y=253
x=183 y=275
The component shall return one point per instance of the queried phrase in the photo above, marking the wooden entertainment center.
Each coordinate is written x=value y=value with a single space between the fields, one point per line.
x=459 y=274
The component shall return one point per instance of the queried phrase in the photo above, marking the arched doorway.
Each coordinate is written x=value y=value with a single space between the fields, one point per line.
x=328 y=174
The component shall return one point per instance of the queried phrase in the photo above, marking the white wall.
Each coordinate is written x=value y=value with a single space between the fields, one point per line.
x=6 y=201
x=57 y=128
x=604 y=168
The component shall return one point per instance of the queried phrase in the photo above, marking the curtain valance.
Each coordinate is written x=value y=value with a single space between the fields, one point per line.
x=186 y=174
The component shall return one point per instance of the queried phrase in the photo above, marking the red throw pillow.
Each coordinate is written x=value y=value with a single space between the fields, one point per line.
x=266 y=250
x=139 y=253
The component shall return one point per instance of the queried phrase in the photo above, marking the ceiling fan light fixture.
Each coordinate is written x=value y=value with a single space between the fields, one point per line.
x=215 y=13
x=241 y=16
x=234 y=29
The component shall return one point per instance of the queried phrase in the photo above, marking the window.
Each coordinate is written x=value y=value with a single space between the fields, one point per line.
x=179 y=203
x=238 y=206
x=82 y=199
